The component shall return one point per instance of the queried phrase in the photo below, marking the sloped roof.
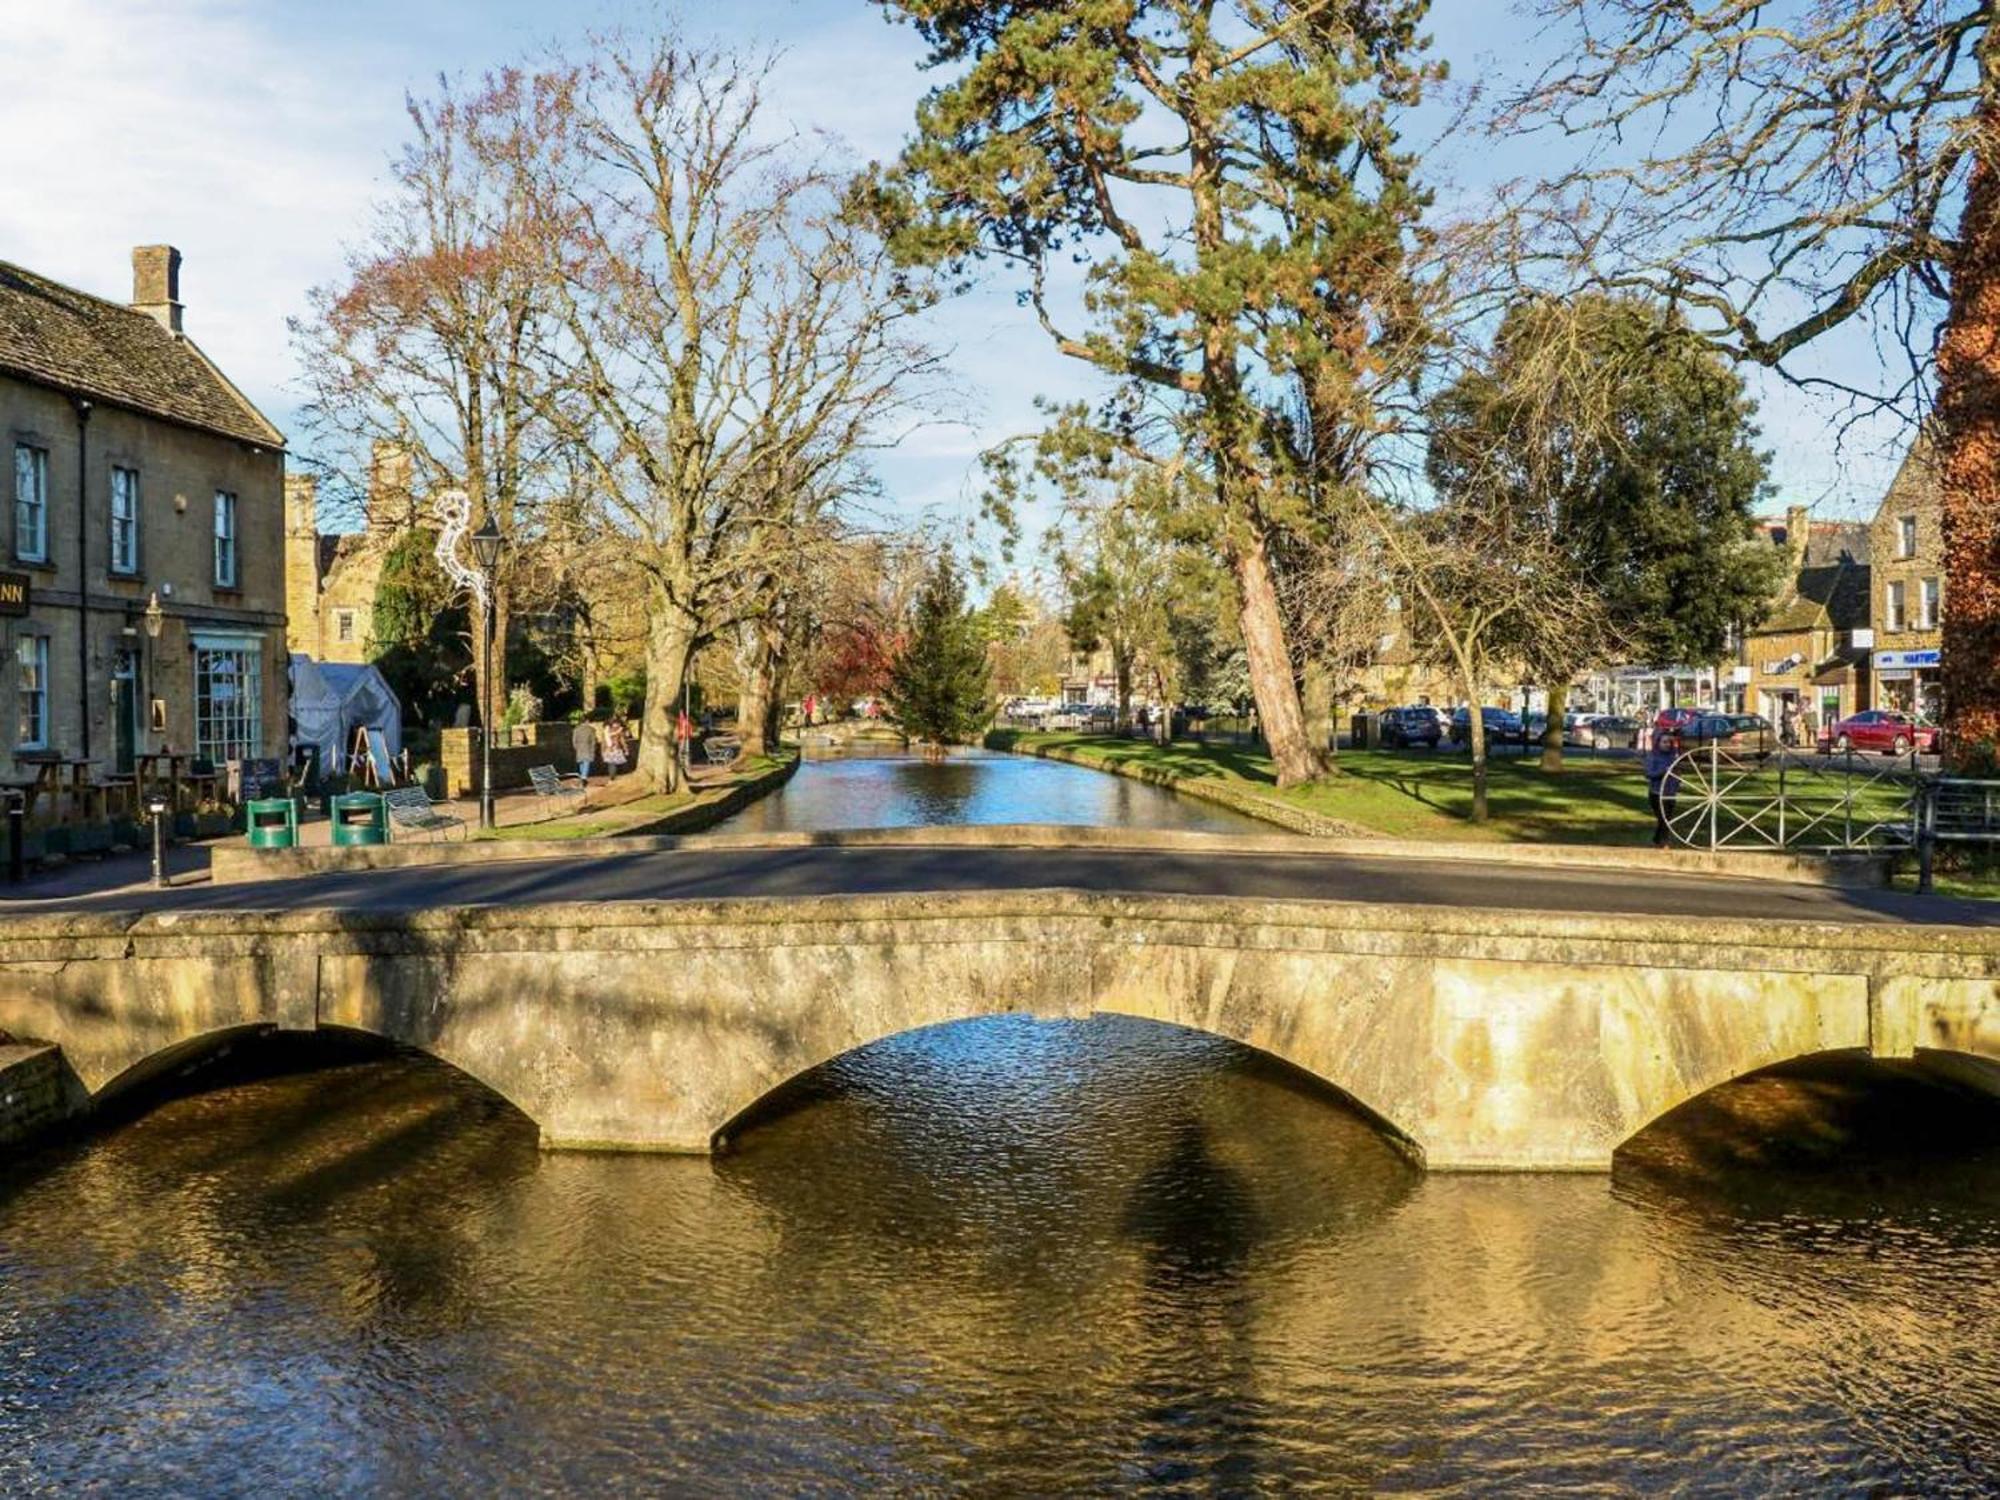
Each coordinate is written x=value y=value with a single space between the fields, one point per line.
x=1834 y=595
x=56 y=335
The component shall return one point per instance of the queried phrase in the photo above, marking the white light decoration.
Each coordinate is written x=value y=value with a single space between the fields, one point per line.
x=455 y=510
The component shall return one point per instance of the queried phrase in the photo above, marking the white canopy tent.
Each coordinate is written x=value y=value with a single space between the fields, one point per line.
x=330 y=700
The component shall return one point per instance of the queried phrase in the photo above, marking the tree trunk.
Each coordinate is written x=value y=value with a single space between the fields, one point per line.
x=1121 y=675
x=670 y=637
x=1969 y=444
x=1278 y=708
x=1322 y=729
x=500 y=622
x=1475 y=731
x=1552 y=735
x=754 y=695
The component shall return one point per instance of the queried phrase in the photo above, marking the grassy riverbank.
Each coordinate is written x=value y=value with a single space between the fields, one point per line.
x=1410 y=796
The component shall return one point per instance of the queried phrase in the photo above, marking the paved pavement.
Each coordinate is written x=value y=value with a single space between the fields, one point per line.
x=694 y=873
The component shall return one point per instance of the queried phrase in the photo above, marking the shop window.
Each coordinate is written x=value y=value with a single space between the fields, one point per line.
x=32 y=686
x=228 y=704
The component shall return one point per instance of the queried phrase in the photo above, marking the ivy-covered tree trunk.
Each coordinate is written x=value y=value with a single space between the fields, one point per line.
x=1969 y=442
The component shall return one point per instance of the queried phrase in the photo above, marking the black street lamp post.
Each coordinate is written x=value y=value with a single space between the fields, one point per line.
x=486 y=551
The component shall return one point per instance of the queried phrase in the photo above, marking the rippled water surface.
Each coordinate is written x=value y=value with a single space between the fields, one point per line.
x=999 y=1258
x=872 y=789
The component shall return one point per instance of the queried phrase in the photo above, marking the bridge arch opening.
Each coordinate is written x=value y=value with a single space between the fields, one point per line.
x=973 y=1072
x=353 y=1069
x=1828 y=1112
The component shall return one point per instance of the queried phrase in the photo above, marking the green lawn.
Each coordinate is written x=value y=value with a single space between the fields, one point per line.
x=1411 y=795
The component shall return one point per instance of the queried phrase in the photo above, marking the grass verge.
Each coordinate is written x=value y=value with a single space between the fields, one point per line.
x=1410 y=795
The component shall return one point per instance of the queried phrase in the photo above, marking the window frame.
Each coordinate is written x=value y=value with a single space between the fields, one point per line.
x=38 y=644
x=343 y=627
x=126 y=567
x=226 y=548
x=1906 y=536
x=1930 y=603
x=235 y=732
x=40 y=468
x=1895 y=605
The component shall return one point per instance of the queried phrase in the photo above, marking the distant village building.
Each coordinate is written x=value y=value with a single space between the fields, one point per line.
x=1906 y=571
x=1809 y=657
x=135 y=473
x=330 y=579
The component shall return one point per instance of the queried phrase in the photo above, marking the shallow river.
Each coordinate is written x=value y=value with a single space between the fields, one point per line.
x=998 y=1258
x=876 y=790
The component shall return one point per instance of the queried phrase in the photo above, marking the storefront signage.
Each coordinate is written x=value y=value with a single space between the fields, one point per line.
x=1904 y=660
x=13 y=593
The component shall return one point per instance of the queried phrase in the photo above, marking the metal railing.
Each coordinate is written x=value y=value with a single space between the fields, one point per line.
x=1724 y=799
x=1826 y=804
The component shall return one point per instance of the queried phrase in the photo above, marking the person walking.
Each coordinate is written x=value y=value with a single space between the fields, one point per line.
x=583 y=739
x=617 y=747
x=1663 y=785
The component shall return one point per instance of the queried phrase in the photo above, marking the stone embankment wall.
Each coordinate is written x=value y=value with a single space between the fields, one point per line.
x=37 y=1091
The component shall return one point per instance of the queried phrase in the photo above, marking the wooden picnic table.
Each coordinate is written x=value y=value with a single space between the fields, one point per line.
x=67 y=784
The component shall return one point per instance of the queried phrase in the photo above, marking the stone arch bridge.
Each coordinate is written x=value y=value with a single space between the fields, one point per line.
x=1484 y=1039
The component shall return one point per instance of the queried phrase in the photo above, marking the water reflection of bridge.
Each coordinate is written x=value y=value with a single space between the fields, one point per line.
x=1484 y=1039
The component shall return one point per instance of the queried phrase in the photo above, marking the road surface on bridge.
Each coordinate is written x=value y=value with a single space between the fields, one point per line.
x=693 y=873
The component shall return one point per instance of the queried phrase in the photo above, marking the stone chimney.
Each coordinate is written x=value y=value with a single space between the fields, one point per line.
x=391 y=501
x=156 y=284
x=1798 y=535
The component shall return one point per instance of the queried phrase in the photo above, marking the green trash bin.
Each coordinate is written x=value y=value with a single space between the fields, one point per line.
x=359 y=818
x=272 y=822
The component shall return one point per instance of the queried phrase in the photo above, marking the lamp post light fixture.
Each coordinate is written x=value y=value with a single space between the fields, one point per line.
x=486 y=552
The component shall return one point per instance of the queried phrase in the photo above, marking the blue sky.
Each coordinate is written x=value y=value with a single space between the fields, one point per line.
x=253 y=134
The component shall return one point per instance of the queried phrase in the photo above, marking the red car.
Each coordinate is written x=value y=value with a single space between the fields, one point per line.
x=1883 y=729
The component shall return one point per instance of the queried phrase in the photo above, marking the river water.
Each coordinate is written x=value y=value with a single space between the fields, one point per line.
x=1004 y=1257
x=871 y=789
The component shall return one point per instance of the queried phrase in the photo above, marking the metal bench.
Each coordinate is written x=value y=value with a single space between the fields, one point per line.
x=411 y=810
x=552 y=786
x=721 y=749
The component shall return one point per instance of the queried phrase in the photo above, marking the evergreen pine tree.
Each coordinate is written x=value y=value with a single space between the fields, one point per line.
x=938 y=684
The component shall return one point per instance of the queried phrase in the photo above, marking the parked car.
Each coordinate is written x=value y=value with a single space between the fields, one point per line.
x=1501 y=726
x=1670 y=720
x=1411 y=726
x=1740 y=734
x=1886 y=729
x=1607 y=732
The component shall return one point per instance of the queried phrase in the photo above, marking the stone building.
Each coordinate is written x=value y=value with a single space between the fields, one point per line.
x=1906 y=572
x=136 y=473
x=1810 y=656
x=330 y=579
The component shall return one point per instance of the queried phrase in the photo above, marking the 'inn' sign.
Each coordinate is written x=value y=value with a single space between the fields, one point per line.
x=13 y=593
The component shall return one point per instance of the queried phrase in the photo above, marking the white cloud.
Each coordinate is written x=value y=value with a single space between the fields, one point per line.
x=192 y=124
